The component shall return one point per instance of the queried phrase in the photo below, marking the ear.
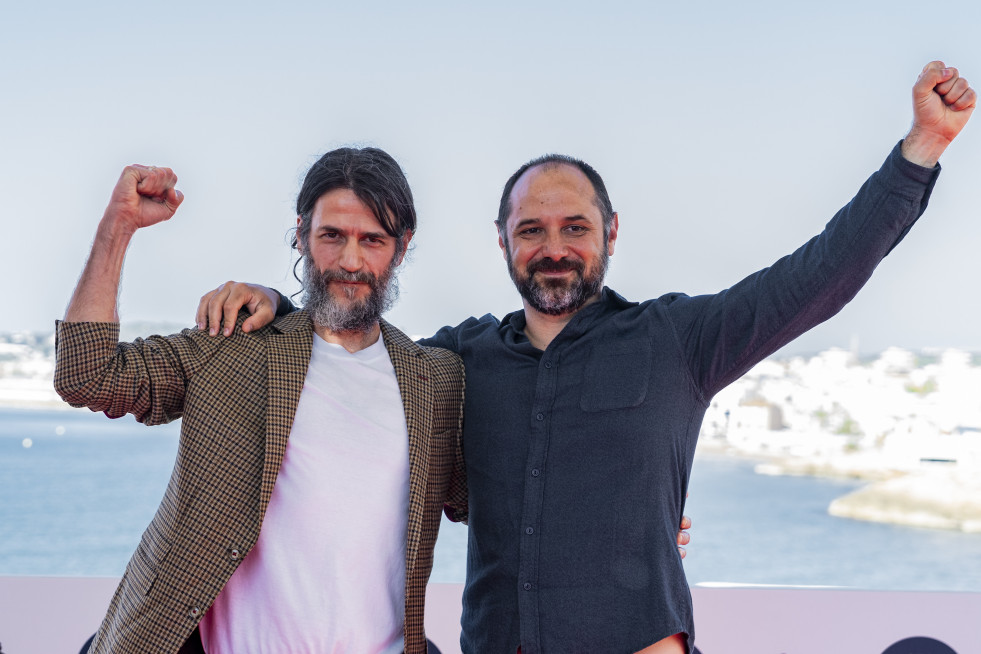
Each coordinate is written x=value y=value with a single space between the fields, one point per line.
x=500 y=240
x=299 y=241
x=612 y=240
x=406 y=239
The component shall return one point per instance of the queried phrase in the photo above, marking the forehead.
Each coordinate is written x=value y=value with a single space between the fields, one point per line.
x=342 y=207
x=549 y=188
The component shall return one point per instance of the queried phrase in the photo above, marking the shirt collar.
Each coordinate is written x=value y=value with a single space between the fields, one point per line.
x=514 y=323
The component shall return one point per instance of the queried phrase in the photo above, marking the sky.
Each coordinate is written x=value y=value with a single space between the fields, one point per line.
x=727 y=133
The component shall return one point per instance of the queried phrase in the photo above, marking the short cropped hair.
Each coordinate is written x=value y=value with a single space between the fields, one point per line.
x=602 y=199
x=374 y=177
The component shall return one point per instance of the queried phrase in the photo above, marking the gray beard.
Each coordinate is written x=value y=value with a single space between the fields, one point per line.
x=360 y=316
x=559 y=297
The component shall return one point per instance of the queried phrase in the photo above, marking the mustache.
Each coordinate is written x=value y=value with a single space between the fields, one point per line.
x=360 y=277
x=551 y=265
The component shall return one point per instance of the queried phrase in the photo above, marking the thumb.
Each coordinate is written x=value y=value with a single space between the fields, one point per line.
x=173 y=199
x=933 y=73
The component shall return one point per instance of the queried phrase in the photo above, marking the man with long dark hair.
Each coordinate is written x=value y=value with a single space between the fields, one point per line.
x=316 y=454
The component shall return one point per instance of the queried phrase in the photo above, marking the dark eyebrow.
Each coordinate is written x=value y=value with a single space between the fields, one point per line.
x=331 y=228
x=527 y=221
x=534 y=221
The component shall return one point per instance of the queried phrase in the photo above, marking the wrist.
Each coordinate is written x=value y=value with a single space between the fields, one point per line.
x=923 y=148
x=113 y=232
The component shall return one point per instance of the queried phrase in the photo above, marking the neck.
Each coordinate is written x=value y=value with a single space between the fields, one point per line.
x=352 y=341
x=542 y=328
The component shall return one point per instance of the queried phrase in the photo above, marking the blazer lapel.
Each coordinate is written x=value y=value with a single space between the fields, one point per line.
x=412 y=369
x=288 y=356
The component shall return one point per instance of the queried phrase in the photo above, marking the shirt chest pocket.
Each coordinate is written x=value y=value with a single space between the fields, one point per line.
x=616 y=376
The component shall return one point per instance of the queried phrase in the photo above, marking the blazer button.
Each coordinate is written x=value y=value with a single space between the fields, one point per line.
x=234 y=553
x=195 y=612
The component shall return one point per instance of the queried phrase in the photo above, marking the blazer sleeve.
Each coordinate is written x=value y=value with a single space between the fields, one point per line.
x=147 y=378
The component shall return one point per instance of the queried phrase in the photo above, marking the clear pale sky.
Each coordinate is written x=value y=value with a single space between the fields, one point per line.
x=728 y=134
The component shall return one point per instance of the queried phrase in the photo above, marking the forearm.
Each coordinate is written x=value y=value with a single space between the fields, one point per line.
x=95 y=296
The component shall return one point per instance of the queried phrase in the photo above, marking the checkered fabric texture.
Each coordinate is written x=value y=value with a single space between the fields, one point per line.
x=237 y=396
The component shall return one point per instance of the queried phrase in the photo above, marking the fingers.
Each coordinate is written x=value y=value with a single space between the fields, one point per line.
x=951 y=77
x=201 y=315
x=683 y=537
x=955 y=91
x=232 y=304
x=156 y=183
x=210 y=309
x=218 y=309
x=959 y=96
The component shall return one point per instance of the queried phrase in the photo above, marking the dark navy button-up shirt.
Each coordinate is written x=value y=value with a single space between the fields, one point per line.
x=578 y=457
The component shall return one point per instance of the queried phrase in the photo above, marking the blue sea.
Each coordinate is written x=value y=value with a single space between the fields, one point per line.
x=77 y=490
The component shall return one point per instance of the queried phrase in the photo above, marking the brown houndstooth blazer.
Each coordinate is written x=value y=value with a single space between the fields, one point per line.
x=237 y=396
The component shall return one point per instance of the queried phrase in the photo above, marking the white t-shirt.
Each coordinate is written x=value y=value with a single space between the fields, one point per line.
x=327 y=574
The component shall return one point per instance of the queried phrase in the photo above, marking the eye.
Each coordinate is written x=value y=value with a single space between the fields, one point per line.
x=330 y=234
x=577 y=229
x=529 y=231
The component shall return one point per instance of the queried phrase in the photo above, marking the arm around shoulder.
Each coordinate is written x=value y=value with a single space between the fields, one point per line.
x=452 y=383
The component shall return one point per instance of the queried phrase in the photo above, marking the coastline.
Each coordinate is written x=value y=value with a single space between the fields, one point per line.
x=935 y=496
x=932 y=499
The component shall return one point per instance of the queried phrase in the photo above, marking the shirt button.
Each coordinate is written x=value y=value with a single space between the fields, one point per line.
x=535 y=472
x=529 y=530
x=548 y=364
x=540 y=416
x=526 y=586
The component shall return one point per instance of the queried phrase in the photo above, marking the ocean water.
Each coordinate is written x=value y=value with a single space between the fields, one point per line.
x=77 y=490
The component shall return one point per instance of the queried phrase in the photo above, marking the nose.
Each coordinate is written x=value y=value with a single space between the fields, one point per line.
x=352 y=259
x=554 y=246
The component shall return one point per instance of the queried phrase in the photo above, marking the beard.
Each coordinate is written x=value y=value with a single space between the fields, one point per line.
x=354 y=315
x=554 y=297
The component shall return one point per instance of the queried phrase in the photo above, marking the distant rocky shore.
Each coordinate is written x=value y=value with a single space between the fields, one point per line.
x=932 y=499
x=939 y=496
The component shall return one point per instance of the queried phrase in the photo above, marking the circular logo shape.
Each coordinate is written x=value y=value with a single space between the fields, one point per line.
x=919 y=645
